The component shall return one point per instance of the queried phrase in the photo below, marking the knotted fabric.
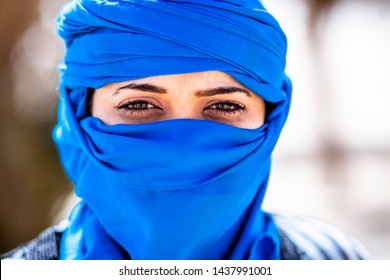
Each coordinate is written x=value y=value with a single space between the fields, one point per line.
x=177 y=189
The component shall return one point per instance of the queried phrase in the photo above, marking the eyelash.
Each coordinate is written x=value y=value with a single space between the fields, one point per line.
x=144 y=105
x=234 y=107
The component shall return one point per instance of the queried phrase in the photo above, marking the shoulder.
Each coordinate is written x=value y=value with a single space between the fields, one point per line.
x=305 y=238
x=301 y=239
x=44 y=247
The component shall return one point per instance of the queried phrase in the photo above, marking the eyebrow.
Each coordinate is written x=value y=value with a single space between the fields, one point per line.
x=200 y=93
x=221 y=90
x=142 y=87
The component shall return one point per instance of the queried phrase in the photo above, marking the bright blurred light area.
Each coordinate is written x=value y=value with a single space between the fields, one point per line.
x=333 y=159
x=34 y=67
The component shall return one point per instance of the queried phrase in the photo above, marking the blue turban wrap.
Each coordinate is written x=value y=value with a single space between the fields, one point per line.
x=177 y=189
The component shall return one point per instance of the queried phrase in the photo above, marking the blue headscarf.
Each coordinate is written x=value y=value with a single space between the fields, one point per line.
x=176 y=189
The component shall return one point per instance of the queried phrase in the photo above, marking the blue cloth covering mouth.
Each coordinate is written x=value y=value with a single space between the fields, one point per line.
x=146 y=195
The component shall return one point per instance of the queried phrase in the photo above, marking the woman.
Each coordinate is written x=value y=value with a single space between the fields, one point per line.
x=169 y=112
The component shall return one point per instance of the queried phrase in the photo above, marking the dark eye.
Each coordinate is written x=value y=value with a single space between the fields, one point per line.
x=226 y=107
x=137 y=105
x=140 y=110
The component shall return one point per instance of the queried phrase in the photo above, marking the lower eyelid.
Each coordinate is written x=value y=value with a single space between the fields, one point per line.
x=146 y=115
x=226 y=113
x=216 y=114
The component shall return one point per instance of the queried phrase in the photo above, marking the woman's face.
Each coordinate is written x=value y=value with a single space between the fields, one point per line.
x=212 y=95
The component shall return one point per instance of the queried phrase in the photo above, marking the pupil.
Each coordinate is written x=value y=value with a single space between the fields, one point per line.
x=140 y=105
x=226 y=107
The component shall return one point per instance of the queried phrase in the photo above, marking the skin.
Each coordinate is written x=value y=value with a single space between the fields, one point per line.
x=211 y=95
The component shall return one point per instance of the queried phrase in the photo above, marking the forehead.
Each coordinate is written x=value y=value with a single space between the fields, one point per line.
x=203 y=79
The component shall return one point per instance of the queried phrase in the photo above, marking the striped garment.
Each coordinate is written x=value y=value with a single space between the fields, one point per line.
x=302 y=239
x=309 y=239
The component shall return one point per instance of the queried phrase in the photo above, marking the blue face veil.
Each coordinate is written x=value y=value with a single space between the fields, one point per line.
x=177 y=189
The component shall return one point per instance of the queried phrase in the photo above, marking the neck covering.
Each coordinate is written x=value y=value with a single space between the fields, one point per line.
x=177 y=189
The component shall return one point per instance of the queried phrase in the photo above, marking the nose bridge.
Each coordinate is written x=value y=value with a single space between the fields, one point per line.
x=185 y=110
x=184 y=105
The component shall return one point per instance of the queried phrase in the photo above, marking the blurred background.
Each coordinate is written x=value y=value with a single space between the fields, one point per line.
x=333 y=158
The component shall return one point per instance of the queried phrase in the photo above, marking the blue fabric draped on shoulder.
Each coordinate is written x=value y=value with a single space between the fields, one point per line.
x=178 y=189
